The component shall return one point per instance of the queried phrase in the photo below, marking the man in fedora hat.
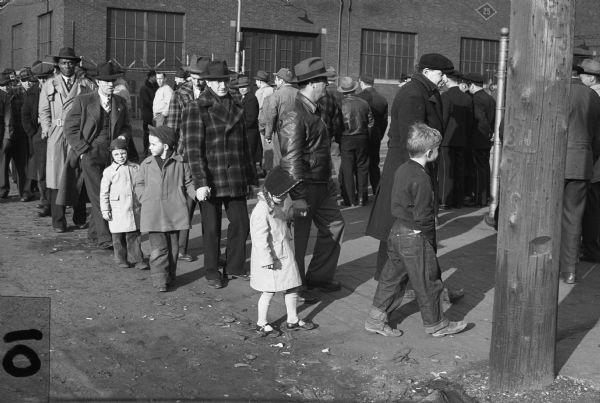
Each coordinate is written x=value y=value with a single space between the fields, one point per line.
x=28 y=81
x=56 y=98
x=216 y=147
x=305 y=147
x=147 y=92
x=354 y=145
x=590 y=76
x=95 y=119
x=379 y=109
x=419 y=100
x=29 y=115
x=182 y=96
x=250 y=105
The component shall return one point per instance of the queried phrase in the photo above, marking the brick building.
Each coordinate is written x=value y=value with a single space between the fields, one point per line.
x=380 y=37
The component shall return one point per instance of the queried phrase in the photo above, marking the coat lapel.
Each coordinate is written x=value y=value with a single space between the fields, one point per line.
x=116 y=110
x=236 y=114
x=93 y=108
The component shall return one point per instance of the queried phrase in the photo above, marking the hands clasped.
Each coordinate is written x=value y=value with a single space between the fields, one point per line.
x=203 y=193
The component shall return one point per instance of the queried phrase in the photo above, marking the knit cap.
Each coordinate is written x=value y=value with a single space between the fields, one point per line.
x=278 y=182
x=165 y=134
x=118 y=144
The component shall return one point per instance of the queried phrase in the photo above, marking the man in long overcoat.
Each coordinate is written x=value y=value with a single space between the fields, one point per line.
x=56 y=99
x=96 y=119
x=417 y=101
x=217 y=150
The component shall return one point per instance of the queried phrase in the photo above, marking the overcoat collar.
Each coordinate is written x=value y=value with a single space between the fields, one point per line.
x=218 y=111
x=432 y=91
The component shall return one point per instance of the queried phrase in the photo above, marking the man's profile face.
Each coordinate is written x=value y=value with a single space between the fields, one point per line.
x=67 y=67
x=219 y=87
x=196 y=81
x=106 y=88
x=587 y=79
x=160 y=79
x=435 y=76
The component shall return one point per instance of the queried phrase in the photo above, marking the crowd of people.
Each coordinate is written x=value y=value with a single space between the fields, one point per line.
x=209 y=140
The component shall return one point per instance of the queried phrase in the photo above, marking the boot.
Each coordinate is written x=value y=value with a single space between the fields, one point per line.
x=377 y=323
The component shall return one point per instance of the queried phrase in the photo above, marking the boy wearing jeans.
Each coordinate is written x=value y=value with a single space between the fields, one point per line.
x=412 y=244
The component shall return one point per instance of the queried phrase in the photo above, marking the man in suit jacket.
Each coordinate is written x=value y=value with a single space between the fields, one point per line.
x=417 y=101
x=379 y=109
x=214 y=134
x=458 y=117
x=92 y=123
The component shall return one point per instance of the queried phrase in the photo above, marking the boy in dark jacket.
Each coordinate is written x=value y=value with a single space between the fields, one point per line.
x=412 y=243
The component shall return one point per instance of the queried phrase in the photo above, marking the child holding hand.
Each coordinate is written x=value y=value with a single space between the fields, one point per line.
x=273 y=267
x=120 y=208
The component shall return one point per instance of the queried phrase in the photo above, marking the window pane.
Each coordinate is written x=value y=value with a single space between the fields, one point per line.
x=479 y=56
x=387 y=54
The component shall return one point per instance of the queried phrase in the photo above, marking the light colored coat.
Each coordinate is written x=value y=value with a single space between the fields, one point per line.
x=117 y=196
x=272 y=244
x=54 y=104
x=162 y=194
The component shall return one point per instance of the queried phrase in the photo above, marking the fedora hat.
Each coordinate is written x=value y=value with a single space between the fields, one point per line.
x=5 y=78
x=42 y=69
x=285 y=74
x=241 y=82
x=347 y=84
x=590 y=66
x=310 y=68
x=26 y=75
x=262 y=76
x=199 y=67
x=66 y=53
x=216 y=70
x=107 y=71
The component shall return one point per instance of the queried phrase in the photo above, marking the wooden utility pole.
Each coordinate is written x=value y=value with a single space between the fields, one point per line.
x=531 y=187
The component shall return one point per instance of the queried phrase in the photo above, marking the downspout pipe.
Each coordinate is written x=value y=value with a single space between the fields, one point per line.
x=339 y=55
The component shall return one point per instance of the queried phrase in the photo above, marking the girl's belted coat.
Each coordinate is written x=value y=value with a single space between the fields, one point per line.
x=117 y=196
x=162 y=194
x=272 y=244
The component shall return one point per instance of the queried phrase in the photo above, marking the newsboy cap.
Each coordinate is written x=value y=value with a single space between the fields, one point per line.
x=590 y=66
x=285 y=74
x=474 y=78
x=310 y=68
x=435 y=61
x=42 y=69
x=278 y=182
x=165 y=134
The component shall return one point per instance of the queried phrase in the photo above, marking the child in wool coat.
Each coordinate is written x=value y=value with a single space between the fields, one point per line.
x=273 y=267
x=120 y=208
x=161 y=186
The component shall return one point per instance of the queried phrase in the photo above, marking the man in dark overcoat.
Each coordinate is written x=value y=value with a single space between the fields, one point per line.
x=31 y=124
x=147 y=92
x=251 y=109
x=480 y=141
x=95 y=119
x=583 y=132
x=417 y=101
x=216 y=147
x=458 y=116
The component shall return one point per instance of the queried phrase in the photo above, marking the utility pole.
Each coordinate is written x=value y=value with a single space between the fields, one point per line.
x=523 y=343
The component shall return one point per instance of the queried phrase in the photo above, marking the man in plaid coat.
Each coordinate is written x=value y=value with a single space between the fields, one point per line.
x=217 y=150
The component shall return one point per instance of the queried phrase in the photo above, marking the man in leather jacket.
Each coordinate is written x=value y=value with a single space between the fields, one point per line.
x=305 y=154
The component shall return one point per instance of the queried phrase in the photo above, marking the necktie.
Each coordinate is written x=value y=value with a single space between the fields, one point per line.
x=69 y=84
x=108 y=105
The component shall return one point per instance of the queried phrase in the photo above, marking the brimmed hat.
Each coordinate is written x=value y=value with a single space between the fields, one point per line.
x=42 y=69
x=118 y=144
x=199 y=67
x=455 y=74
x=181 y=73
x=310 y=68
x=165 y=134
x=261 y=75
x=435 y=61
x=278 y=182
x=474 y=78
x=107 y=71
x=367 y=79
x=285 y=74
x=590 y=66
x=26 y=75
x=577 y=69
x=347 y=84
x=5 y=78
x=241 y=82
x=66 y=53
x=216 y=70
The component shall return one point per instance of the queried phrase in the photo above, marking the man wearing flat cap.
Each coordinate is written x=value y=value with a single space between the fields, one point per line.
x=56 y=98
x=94 y=120
x=481 y=138
x=379 y=109
x=216 y=147
x=419 y=100
x=305 y=146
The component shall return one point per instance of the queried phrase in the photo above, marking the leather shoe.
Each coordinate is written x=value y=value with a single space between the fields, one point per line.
x=325 y=287
x=105 y=245
x=216 y=283
x=570 y=278
x=27 y=198
x=185 y=257
x=307 y=298
x=44 y=213
x=60 y=230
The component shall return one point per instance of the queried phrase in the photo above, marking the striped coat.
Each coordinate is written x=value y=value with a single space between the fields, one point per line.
x=216 y=146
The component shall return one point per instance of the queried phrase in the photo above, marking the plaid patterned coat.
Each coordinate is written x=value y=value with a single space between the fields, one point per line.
x=216 y=146
x=181 y=97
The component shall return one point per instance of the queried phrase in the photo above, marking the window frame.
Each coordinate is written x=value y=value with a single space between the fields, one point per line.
x=405 y=47
x=487 y=64
x=44 y=48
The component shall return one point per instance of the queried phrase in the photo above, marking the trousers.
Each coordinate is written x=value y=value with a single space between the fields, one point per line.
x=163 y=257
x=574 y=198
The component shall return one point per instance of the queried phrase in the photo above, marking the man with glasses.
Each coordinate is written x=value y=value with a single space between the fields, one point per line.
x=56 y=98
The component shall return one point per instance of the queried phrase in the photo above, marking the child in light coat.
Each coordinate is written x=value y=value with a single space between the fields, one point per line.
x=120 y=208
x=273 y=267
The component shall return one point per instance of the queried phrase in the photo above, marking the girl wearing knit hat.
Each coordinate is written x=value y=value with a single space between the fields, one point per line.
x=273 y=267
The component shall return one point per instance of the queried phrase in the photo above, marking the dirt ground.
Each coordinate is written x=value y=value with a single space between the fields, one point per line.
x=115 y=338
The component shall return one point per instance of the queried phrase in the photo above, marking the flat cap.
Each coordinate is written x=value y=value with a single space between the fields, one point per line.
x=435 y=61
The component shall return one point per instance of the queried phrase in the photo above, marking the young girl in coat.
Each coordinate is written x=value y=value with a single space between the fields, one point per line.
x=272 y=265
x=161 y=186
x=120 y=208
